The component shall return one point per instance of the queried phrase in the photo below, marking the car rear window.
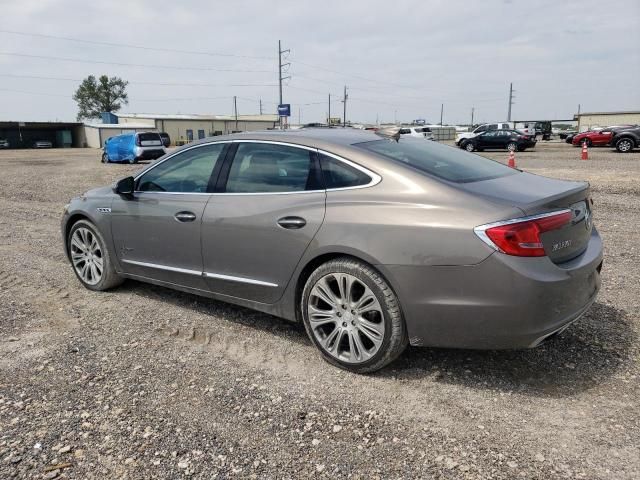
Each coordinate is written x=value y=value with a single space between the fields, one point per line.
x=442 y=161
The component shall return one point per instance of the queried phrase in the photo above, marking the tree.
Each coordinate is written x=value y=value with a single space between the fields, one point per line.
x=102 y=95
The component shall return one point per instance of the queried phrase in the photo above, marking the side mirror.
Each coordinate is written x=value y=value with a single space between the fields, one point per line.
x=125 y=186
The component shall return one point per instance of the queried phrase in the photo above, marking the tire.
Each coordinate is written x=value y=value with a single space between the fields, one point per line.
x=588 y=142
x=108 y=278
x=469 y=146
x=382 y=313
x=625 y=145
x=105 y=158
x=512 y=146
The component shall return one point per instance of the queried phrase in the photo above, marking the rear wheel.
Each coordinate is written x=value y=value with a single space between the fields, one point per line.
x=512 y=146
x=90 y=258
x=105 y=158
x=469 y=147
x=624 y=145
x=352 y=316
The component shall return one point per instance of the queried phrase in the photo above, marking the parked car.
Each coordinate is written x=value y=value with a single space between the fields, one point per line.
x=420 y=132
x=499 y=139
x=132 y=147
x=4 y=143
x=166 y=139
x=625 y=139
x=564 y=135
x=598 y=137
x=372 y=243
x=42 y=144
x=482 y=128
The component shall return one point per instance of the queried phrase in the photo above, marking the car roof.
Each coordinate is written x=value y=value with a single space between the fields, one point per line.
x=313 y=137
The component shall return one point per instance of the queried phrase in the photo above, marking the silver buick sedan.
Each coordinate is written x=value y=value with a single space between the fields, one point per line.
x=373 y=243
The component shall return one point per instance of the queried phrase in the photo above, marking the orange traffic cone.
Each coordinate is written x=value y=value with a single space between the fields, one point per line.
x=585 y=152
x=512 y=159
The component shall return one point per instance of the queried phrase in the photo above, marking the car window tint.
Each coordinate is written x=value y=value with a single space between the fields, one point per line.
x=264 y=167
x=185 y=172
x=404 y=131
x=337 y=174
x=442 y=161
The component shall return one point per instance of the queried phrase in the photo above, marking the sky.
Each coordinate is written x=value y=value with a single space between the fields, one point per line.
x=400 y=60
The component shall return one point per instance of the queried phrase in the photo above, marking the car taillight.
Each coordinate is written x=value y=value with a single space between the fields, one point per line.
x=521 y=236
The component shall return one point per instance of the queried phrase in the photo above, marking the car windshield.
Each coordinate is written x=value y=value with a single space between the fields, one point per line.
x=439 y=160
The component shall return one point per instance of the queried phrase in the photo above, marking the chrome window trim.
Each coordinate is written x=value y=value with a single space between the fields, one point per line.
x=232 y=278
x=200 y=273
x=375 y=178
x=171 y=155
x=481 y=230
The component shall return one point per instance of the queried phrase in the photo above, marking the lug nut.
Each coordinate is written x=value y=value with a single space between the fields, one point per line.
x=339 y=314
x=344 y=324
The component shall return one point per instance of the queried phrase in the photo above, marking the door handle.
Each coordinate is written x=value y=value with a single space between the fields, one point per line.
x=185 y=216
x=292 y=223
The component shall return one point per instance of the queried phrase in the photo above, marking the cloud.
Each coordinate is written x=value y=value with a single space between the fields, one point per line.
x=400 y=58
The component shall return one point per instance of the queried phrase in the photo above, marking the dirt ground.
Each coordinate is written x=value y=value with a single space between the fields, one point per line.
x=144 y=382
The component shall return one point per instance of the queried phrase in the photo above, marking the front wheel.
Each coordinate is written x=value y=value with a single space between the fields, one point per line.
x=352 y=316
x=512 y=146
x=469 y=147
x=90 y=258
x=105 y=158
x=624 y=145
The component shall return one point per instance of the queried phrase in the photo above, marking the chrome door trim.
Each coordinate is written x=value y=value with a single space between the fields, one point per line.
x=217 y=276
x=231 y=278
x=162 y=267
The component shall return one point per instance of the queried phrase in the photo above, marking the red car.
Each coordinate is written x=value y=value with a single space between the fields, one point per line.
x=597 y=138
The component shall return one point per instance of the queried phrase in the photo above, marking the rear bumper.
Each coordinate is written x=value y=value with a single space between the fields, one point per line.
x=149 y=153
x=503 y=302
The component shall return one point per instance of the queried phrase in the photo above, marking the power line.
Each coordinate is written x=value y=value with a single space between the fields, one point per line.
x=140 y=47
x=165 y=84
x=122 y=64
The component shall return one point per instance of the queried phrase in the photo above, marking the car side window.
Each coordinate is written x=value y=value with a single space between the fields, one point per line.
x=271 y=168
x=337 y=174
x=404 y=131
x=186 y=172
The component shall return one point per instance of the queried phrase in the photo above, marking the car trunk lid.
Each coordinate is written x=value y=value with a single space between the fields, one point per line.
x=534 y=195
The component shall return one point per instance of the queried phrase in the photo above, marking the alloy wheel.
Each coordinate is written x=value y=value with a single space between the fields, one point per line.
x=469 y=147
x=624 y=145
x=346 y=318
x=86 y=256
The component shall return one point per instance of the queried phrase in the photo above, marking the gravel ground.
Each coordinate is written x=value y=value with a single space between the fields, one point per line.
x=143 y=382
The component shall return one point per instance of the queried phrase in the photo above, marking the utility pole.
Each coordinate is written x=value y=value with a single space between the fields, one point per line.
x=260 y=106
x=441 y=112
x=235 y=110
x=511 y=102
x=472 y=111
x=395 y=117
x=329 y=117
x=280 y=77
x=299 y=123
x=344 y=118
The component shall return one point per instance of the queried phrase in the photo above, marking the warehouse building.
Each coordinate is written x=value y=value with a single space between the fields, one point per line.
x=186 y=128
x=25 y=134
x=588 y=120
x=95 y=134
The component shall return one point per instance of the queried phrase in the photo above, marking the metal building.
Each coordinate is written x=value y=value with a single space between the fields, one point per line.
x=588 y=120
x=186 y=128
